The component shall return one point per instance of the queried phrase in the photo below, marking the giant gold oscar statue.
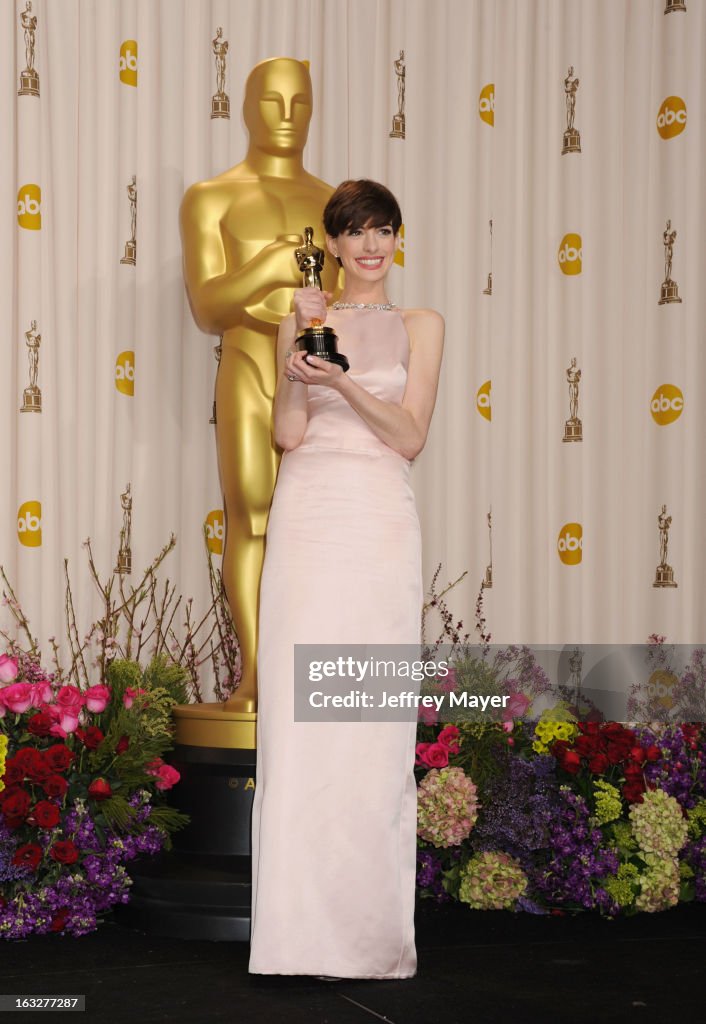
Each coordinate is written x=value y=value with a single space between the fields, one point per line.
x=240 y=231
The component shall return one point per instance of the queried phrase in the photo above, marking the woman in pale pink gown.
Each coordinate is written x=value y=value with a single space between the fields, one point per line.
x=334 y=815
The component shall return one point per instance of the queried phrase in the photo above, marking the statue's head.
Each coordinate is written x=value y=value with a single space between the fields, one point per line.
x=278 y=104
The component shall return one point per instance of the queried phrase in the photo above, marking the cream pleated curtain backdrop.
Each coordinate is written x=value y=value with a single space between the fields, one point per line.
x=126 y=379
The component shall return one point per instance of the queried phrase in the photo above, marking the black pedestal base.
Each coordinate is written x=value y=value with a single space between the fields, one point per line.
x=186 y=897
x=201 y=888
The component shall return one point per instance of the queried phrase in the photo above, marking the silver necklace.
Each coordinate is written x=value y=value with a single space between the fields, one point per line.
x=364 y=305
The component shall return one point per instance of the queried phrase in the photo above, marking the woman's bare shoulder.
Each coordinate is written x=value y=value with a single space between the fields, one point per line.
x=422 y=317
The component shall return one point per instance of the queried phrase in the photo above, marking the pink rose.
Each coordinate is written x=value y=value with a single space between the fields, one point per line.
x=8 y=668
x=41 y=693
x=17 y=697
x=436 y=755
x=516 y=706
x=428 y=716
x=130 y=695
x=166 y=777
x=96 y=698
x=70 y=699
x=449 y=738
x=421 y=750
x=68 y=722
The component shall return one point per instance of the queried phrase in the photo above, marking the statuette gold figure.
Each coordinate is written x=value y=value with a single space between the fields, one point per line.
x=240 y=231
x=573 y=428
x=131 y=245
x=220 y=103
x=572 y=137
x=124 y=563
x=670 y=289
x=664 y=576
x=29 y=79
x=398 y=119
x=32 y=396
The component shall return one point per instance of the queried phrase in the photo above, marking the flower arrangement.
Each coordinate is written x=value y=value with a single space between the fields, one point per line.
x=81 y=774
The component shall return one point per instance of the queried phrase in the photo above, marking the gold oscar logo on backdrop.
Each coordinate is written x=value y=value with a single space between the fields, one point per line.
x=488 y=290
x=486 y=104
x=669 y=292
x=124 y=562
x=29 y=79
x=131 y=244
x=570 y=543
x=220 y=103
x=483 y=400
x=125 y=373
x=32 y=396
x=664 y=574
x=675 y=5
x=214 y=528
x=487 y=581
x=399 y=251
x=573 y=428
x=128 y=62
x=398 y=119
x=667 y=404
x=29 y=524
x=671 y=119
x=572 y=136
x=29 y=207
x=570 y=254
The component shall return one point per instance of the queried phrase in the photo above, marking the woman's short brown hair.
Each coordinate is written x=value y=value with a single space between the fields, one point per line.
x=360 y=204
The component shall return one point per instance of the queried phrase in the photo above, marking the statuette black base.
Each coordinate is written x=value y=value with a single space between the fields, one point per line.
x=322 y=342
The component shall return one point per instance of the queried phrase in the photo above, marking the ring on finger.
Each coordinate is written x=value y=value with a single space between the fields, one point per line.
x=290 y=377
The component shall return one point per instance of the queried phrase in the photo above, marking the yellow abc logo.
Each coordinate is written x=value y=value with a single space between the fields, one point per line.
x=29 y=207
x=399 y=253
x=659 y=687
x=483 y=400
x=29 y=524
x=307 y=64
x=128 y=62
x=125 y=373
x=667 y=404
x=215 y=531
x=671 y=119
x=570 y=254
x=570 y=543
x=486 y=104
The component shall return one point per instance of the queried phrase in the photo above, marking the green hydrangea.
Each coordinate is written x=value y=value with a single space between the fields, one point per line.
x=697 y=820
x=609 y=806
x=658 y=824
x=492 y=881
x=623 y=885
x=659 y=884
x=623 y=838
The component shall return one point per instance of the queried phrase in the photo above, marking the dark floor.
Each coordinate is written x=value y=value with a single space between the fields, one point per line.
x=473 y=967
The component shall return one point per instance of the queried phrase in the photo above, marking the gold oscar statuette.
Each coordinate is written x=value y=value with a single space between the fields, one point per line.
x=131 y=245
x=32 y=396
x=488 y=578
x=572 y=137
x=124 y=563
x=398 y=119
x=664 y=575
x=316 y=340
x=29 y=79
x=674 y=5
x=573 y=428
x=488 y=290
x=239 y=234
x=220 y=103
x=669 y=291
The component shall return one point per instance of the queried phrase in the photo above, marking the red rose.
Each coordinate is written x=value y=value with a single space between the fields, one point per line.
x=15 y=803
x=632 y=771
x=637 y=754
x=55 y=785
x=99 y=789
x=632 y=791
x=44 y=814
x=586 y=746
x=40 y=724
x=64 y=851
x=92 y=737
x=436 y=755
x=27 y=856
x=449 y=738
x=599 y=764
x=59 y=757
x=653 y=753
x=122 y=745
x=28 y=760
x=615 y=753
x=13 y=774
x=570 y=761
x=58 y=922
x=589 y=728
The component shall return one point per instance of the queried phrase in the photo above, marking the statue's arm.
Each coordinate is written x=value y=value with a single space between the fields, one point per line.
x=219 y=293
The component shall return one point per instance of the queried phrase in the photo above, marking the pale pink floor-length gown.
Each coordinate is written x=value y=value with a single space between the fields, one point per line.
x=335 y=806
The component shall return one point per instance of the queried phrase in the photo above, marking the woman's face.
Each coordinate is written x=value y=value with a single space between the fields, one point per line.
x=366 y=253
